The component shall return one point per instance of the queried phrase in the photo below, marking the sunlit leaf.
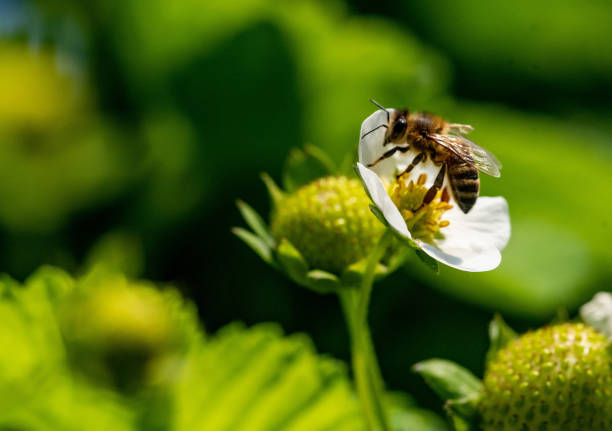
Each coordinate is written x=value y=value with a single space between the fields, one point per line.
x=405 y=416
x=37 y=390
x=274 y=382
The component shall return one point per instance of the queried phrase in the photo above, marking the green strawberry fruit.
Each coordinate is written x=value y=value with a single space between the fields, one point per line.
x=558 y=378
x=329 y=222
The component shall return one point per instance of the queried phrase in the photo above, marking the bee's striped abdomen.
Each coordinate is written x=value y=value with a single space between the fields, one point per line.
x=464 y=182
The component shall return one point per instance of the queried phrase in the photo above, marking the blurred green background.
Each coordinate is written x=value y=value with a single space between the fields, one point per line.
x=129 y=128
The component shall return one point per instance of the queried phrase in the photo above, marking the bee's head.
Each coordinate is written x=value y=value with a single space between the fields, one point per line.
x=397 y=125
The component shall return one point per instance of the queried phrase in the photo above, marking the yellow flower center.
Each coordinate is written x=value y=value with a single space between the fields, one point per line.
x=424 y=220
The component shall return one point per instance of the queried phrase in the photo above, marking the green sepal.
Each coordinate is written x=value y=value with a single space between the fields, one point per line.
x=429 y=261
x=275 y=193
x=353 y=274
x=459 y=423
x=449 y=380
x=407 y=241
x=379 y=215
x=466 y=407
x=292 y=262
x=458 y=387
x=257 y=244
x=500 y=334
x=304 y=166
x=256 y=223
x=322 y=281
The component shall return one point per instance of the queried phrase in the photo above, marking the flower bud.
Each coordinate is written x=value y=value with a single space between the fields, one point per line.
x=329 y=222
x=118 y=331
x=556 y=378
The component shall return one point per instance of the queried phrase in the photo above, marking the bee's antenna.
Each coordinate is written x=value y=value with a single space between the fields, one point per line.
x=373 y=130
x=381 y=107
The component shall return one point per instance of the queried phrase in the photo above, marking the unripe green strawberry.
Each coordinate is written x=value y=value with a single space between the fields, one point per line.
x=329 y=222
x=557 y=378
x=120 y=331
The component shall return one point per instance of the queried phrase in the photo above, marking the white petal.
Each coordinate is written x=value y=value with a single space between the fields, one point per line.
x=371 y=146
x=598 y=313
x=472 y=261
x=378 y=194
x=473 y=241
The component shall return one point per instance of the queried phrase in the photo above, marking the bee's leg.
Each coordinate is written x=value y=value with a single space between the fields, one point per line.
x=388 y=154
x=415 y=161
x=431 y=193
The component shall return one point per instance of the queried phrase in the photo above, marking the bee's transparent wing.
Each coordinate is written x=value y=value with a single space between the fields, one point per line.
x=460 y=129
x=470 y=152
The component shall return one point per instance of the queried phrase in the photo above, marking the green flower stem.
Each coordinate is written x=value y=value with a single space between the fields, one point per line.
x=355 y=302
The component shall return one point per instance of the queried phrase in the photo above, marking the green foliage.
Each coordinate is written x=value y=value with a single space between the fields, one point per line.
x=274 y=382
x=546 y=49
x=51 y=142
x=58 y=327
x=37 y=390
x=128 y=128
x=344 y=61
x=238 y=84
x=117 y=251
x=404 y=416
x=122 y=332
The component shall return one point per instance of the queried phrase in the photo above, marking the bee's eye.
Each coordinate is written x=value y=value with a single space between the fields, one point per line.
x=398 y=129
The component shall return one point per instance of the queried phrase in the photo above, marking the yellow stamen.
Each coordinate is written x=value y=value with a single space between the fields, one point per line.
x=407 y=214
x=424 y=220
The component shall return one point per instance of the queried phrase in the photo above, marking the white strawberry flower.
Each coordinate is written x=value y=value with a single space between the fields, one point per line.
x=598 y=313
x=468 y=242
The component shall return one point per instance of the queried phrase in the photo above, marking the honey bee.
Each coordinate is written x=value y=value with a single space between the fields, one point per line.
x=445 y=145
